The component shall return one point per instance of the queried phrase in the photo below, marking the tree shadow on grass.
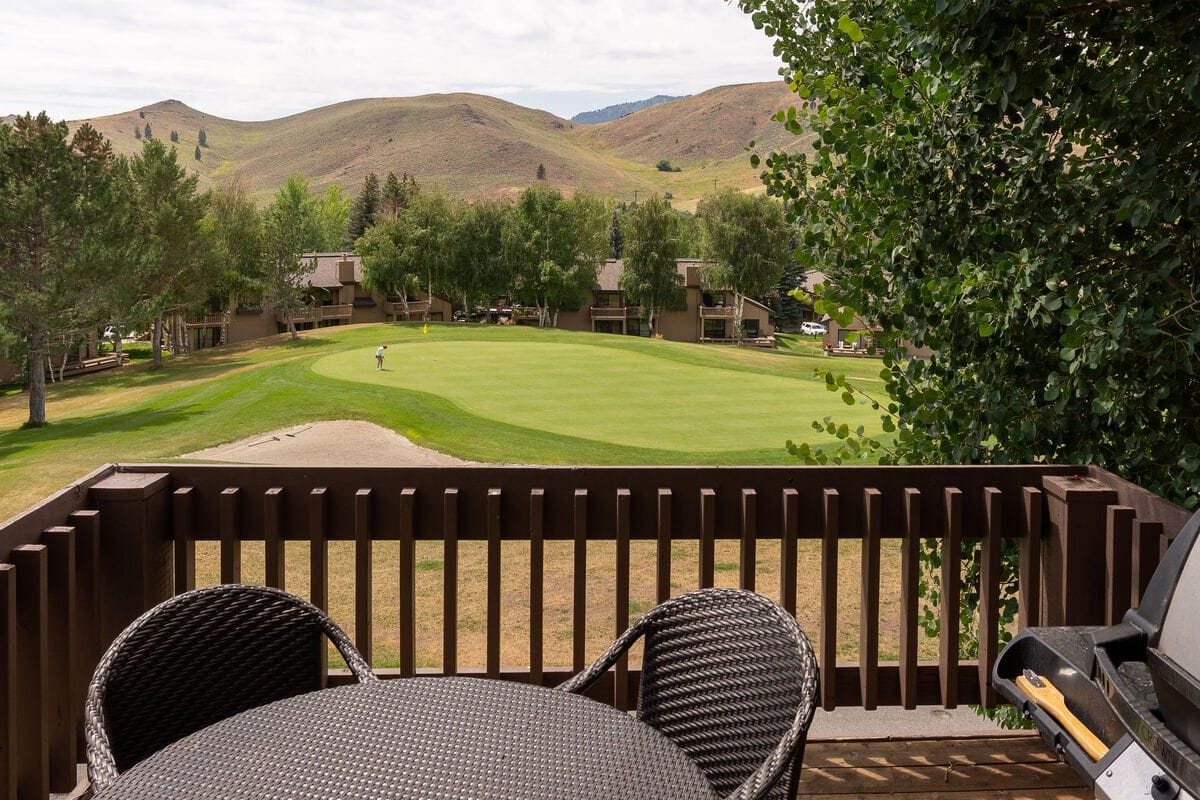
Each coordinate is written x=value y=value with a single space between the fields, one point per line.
x=21 y=440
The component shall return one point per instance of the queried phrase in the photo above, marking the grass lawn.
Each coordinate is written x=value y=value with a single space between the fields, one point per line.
x=492 y=394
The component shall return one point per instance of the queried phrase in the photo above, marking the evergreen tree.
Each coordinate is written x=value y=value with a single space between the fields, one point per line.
x=363 y=211
x=203 y=138
x=541 y=172
x=148 y=133
x=62 y=223
x=196 y=155
x=616 y=237
x=173 y=263
x=398 y=193
x=137 y=134
x=174 y=136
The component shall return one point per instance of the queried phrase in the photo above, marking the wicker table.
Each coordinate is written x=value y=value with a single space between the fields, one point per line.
x=421 y=738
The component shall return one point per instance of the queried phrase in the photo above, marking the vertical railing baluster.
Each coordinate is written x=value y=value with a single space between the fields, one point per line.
x=1029 y=605
x=493 y=583
x=910 y=548
x=708 y=537
x=231 y=540
x=748 y=557
x=621 y=672
x=407 y=601
x=1146 y=536
x=62 y=710
x=829 y=599
x=450 y=582
x=951 y=592
x=33 y=757
x=87 y=609
x=275 y=563
x=662 y=576
x=362 y=574
x=537 y=566
x=9 y=699
x=183 y=524
x=787 y=550
x=989 y=593
x=318 y=558
x=1118 y=555
x=868 y=629
x=578 y=638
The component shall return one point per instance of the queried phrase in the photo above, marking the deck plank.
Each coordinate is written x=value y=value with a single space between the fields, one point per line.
x=1001 y=767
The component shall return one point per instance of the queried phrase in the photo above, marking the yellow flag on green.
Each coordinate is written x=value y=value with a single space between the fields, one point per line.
x=425 y=329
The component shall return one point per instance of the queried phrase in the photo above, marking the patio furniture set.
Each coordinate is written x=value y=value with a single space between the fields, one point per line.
x=217 y=693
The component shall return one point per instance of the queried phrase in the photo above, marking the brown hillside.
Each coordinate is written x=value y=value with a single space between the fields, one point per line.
x=475 y=146
x=717 y=124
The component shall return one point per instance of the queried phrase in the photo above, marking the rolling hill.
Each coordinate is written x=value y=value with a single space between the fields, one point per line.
x=477 y=146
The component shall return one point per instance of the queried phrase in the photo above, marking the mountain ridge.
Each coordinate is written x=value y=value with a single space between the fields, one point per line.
x=609 y=113
x=474 y=145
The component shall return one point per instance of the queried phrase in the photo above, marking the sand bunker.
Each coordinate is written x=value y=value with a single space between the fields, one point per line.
x=337 y=443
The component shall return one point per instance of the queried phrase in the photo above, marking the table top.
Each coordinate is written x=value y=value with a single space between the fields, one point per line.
x=429 y=738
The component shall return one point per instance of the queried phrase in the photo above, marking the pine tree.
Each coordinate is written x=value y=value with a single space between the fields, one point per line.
x=616 y=237
x=364 y=210
x=541 y=172
x=398 y=193
x=174 y=136
x=148 y=134
x=137 y=134
x=203 y=137
x=196 y=155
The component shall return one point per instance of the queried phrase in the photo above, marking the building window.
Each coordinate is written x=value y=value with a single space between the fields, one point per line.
x=608 y=326
x=608 y=300
x=714 y=329
x=750 y=326
x=637 y=326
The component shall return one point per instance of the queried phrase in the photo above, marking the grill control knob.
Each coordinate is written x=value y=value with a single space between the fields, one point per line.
x=1163 y=788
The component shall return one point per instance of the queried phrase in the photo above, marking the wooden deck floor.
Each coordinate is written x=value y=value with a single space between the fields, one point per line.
x=997 y=768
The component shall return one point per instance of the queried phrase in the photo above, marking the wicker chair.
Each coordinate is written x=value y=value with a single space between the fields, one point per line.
x=729 y=677
x=198 y=658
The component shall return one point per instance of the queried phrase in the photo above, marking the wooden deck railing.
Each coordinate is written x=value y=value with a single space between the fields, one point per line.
x=416 y=308
x=716 y=312
x=609 y=312
x=317 y=313
x=85 y=562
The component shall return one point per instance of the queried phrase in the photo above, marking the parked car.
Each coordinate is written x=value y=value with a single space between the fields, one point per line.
x=813 y=329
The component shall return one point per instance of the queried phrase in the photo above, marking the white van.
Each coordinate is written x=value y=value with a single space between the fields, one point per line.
x=813 y=329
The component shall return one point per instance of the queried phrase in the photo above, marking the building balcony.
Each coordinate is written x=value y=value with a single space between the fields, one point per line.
x=82 y=564
x=316 y=313
x=609 y=312
x=209 y=321
x=416 y=309
x=716 y=312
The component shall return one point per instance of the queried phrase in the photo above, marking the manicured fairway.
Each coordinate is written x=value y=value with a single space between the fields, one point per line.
x=625 y=397
x=492 y=394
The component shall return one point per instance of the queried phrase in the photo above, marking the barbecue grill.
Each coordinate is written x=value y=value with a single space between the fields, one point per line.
x=1135 y=686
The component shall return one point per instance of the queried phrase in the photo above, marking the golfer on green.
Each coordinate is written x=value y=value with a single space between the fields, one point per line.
x=379 y=356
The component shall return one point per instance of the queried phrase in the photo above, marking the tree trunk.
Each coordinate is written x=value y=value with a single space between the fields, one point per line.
x=37 y=379
x=738 y=308
x=554 y=319
x=650 y=319
x=428 y=297
x=156 y=334
x=117 y=336
x=292 y=325
x=62 y=368
x=404 y=302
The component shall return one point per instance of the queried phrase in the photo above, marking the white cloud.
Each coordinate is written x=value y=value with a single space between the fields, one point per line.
x=268 y=58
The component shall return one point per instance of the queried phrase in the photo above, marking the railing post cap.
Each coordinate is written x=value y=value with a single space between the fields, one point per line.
x=131 y=485
x=1078 y=487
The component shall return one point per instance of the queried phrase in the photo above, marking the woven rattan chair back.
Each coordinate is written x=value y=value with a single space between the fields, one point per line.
x=199 y=658
x=731 y=678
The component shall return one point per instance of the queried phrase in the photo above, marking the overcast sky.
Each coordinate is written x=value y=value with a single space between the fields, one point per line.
x=260 y=59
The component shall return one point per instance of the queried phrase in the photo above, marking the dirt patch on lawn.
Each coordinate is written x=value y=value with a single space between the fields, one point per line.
x=338 y=443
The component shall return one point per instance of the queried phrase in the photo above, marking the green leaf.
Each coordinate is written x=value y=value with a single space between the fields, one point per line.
x=850 y=28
